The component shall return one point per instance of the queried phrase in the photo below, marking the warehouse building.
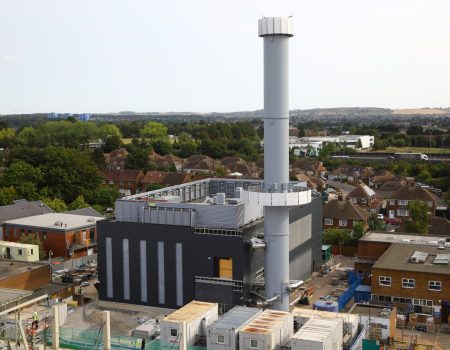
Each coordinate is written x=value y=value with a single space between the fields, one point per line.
x=200 y=240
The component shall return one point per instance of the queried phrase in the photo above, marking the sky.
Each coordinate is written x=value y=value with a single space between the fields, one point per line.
x=205 y=55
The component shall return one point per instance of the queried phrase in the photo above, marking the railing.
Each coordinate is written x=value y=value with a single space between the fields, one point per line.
x=218 y=231
x=238 y=286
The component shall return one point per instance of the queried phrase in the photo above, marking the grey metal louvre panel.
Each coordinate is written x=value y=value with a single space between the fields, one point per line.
x=300 y=267
x=220 y=216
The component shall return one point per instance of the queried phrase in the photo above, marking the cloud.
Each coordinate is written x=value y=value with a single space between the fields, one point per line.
x=6 y=58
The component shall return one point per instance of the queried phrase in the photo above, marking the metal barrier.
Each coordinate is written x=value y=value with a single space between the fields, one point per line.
x=354 y=281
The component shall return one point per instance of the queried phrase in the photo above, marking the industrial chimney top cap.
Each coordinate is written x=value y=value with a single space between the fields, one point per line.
x=276 y=26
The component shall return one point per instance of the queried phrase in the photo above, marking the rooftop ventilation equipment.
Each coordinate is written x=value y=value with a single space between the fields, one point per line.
x=441 y=259
x=220 y=198
x=419 y=257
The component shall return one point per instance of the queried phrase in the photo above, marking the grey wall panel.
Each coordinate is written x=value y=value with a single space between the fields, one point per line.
x=161 y=275
x=143 y=270
x=109 y=268
x=126 y=269
x=300 y=231
x=300 y=268
x=179 y=273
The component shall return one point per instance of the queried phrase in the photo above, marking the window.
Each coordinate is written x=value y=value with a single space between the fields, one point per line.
x=423 y=302
x=111 y=182
x=44 y=235
x=173 y=332
x=402 y=212
x=220 y=339
x=354 y=200
x=19 y=252
x=381 y=298
x=254 y=343
x=402 y=300
x=430 y=204
x=343 y=222
x=435 y=285
x=31 y=251
x=402 y=202
x=384 y=281
x=391 y=201
x=363 y=200
x=408 y=283
x=328 y=221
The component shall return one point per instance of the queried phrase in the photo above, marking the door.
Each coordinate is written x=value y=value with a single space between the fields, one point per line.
x=392 y=214
x=8 y=253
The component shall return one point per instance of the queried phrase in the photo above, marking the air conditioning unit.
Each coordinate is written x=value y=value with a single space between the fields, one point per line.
x=414 y=259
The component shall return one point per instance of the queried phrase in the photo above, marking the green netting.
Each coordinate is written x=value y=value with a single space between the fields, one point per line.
x=159 y=345
x=90 y=339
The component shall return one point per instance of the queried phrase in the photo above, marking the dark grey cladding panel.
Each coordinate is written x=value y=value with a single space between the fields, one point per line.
x=215 y=293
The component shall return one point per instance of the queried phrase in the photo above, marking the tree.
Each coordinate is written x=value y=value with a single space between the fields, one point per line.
x=104 y=197
x=7 y=137
x=111 y=143
x=301 y=130
x=33 y=239
x=7 y=195
x=108 y=130
x=358 y=230
x=153 y=187
x=78 y=203
x=418 y=211
x=375 y=224
x=162 y=146
x=24 y=178
x=138 y=159
x=56 y=204
x=154 y=131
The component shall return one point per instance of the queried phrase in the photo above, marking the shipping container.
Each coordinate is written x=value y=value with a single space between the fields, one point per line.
x=187 y=326
x=319 y=334
x=350 y=322
x=267 y=331
x=223 y=334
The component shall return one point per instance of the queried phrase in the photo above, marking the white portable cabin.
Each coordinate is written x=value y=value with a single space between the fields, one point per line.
x=223 y=334
x=182 y=328
x=351 y=322
x=267 y=331
x=319 y=334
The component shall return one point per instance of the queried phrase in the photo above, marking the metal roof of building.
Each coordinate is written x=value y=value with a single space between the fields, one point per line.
x=267 y=322
x=401 y=238
x=236 y=317
x=318 y=329
x=190 y=311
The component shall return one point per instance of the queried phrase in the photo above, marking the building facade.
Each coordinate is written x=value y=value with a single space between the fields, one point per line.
x=195 y=249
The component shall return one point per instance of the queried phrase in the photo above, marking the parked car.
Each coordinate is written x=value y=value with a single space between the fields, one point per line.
x=380 y=217
x=85 y=284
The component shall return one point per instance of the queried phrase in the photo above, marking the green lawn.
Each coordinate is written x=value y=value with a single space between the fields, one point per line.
x=425 y=150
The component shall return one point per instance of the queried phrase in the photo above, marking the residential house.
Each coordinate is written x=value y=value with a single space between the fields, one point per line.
x=365 y=197
x=343 y=214
x=234 y=165
x=65 y=235
x=309 y=167
x=413 y=275
x=165 y=179
x=200 y=164
x=19 y=209
x=397 y=203
x=352 y=174
x=314 y=183
x=126 y=181
x=115 y=160
x=391 y=186
x=380 y=177
x=168 y=161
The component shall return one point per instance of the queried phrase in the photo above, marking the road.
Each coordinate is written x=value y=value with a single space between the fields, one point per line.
x=345 y=188
x=375 y=158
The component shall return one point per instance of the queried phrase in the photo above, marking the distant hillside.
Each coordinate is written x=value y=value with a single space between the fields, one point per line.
x=421 y=111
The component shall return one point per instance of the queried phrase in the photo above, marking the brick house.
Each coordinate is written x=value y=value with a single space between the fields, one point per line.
x=397 y=203
x=309 y=167
x=416 y=275
x=200 y=164
x=352 y=174
x=343 y=214
x=165 y=179
x=65 y=235
x=365 y=197
x=115 y=160
x=126 y=181
x=380 y=177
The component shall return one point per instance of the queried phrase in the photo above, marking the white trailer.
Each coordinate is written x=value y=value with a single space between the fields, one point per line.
x=267 y=331
x=319 y=334
x=185 y=326
x=223 y=334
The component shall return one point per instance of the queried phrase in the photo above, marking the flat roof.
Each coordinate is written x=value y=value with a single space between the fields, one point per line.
x=370 y=310
x=395 y=237
x=9 y=268
x=318 y=329
x=8 y=295
x=398 y=257
x=56 y=221
x=236 y=317
x=190 y=311
x=310 y=313
x=17 y=245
